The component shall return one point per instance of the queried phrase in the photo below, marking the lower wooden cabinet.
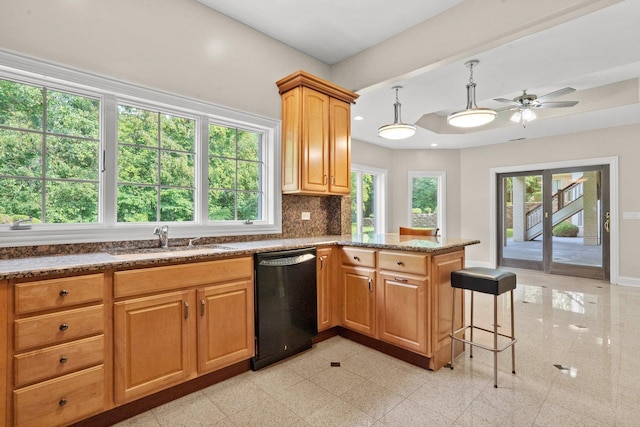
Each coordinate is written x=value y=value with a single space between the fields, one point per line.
x=151 y=344
x=358 y=299
x=327 y=297
x=225 y=325
x=403 y=311
x=164 y=339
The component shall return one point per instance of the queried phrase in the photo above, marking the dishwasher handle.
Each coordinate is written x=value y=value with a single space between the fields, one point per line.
x=292 y=260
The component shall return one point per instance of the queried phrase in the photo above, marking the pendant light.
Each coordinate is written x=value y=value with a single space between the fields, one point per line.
x=397 y=130
x=472 y=116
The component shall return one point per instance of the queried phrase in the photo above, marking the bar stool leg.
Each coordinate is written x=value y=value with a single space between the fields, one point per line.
x=453 y=323
x=513 y=337
x=471 y=329
x=495 y=341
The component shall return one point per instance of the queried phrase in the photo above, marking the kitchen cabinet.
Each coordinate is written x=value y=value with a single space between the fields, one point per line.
x=203 y=313
x=358 y=289
x=316 y=136
x=326 y=284
x=60 y=352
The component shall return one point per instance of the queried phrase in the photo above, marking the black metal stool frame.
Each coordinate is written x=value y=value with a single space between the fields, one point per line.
x=495 y=333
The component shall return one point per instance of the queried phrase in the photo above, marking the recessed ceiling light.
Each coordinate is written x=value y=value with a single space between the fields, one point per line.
x=434 y=145
x=358 y=118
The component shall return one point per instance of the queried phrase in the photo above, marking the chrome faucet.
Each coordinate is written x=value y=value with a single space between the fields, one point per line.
x=163 y=234
x=20 y=224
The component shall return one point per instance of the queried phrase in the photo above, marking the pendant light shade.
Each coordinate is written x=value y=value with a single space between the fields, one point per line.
x=472 y=116
x=397 y=130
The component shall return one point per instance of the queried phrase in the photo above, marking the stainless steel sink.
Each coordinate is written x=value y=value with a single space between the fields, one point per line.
x=176 y=251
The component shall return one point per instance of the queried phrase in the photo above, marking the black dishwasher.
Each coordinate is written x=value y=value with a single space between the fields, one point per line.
x=286 y=309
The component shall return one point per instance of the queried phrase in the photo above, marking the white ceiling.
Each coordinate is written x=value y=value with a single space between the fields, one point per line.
x=587 y=53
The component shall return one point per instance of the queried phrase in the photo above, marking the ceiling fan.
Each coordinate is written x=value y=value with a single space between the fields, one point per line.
x=525 y=103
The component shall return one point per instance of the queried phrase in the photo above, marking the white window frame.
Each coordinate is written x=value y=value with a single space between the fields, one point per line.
x=112 y=92
x=442 y=200
x=380 y=207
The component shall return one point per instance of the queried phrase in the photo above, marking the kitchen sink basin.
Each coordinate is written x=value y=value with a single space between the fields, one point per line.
x=175 y=251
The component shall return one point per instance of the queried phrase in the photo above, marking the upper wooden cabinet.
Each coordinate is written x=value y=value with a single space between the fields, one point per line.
x=316 y=135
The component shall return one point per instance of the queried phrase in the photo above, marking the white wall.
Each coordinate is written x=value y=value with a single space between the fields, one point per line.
x=475 y=165
x=178 y=46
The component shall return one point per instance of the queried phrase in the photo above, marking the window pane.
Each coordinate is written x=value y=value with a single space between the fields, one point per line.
x=222 y=141
x=222 y=173
x=354 y=203
x=248 y=145
x=73 y=115
x=20 y=105
x=72 y=158
x=178 y=133
x=20 y=153
x=249 y=176
x=176 y=204
x=248 y=206
x=137 y=203
x=222 y=205
x=424 y=202
x=177 y=169
x=368 y=203
x=20 y=197
x=136 y=126
x=71 y=202
x=137 y=165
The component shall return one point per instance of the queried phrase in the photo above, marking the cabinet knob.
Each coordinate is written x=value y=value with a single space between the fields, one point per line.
x=63 y=293
x=62 y=402
x=64 y=327
x=356 y=258
x=400 y=263
x=64 y=359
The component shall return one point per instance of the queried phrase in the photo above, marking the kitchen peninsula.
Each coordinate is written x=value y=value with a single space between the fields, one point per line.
x=81 y=328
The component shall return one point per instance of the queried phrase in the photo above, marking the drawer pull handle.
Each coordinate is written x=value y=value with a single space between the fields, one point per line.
x=62 y=402
x=400 y=279
x=400 y=263
x=356 y=258
x=63 y=293
x=64 y=359
x=64 y=327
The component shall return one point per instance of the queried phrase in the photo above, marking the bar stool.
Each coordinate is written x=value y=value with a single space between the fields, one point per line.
x=487 y=281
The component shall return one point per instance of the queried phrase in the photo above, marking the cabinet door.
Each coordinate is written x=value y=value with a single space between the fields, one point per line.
x=291 y=140
x=358 y=299
x=151 y=344
x=326 y=297
x=339 y=147
x=402 y=311
x=225 y=325
x=315 y=141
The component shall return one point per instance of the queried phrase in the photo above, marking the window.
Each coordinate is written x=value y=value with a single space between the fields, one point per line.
x=427 y=200
x=49 y=154
x=156 y=166
x=91 y=159
x=367 y=200
x=235 y=174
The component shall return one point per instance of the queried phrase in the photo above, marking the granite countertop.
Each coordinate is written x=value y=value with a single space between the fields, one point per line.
x=128 y=258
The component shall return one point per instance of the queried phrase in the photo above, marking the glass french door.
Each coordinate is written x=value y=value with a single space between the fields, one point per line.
x=556 y=221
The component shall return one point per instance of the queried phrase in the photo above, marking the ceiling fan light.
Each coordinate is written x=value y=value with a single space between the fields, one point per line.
x=523 y=116
x=397 y=130
x=472 y=116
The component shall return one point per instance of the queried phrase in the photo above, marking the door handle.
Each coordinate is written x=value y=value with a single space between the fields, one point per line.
x=607 y=223
x=186 y=310
x=370 y=285
x=202 y=307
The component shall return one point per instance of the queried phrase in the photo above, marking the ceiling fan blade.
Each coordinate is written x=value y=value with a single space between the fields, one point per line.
x=557 y=104
x=557 y=93
x=505 y=100
x=511 y=108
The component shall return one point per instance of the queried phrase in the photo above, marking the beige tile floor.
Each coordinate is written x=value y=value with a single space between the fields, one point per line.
x=589 y=328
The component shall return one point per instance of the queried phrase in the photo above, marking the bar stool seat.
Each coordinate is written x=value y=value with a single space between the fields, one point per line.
x=487 y=281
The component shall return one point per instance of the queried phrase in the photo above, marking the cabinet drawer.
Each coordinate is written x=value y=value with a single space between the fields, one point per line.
x=58 y=327
x=55 y=293
x=155 y=279
x=359 y=257
x=404 y=262
x=62 y=359
x=62 y=400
